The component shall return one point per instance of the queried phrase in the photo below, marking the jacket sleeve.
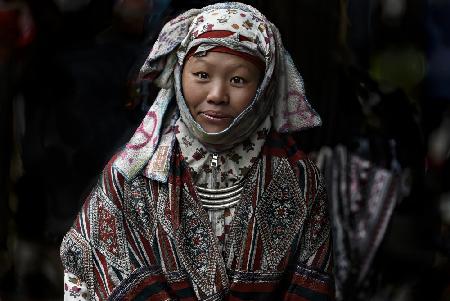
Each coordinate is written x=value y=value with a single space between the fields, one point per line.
x=76 y=249
x=95 y=249
x=109 y=247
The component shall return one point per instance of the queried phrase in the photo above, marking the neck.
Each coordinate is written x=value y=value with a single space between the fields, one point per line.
x=216 y=148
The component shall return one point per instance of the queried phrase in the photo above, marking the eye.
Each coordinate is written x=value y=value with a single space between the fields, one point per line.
x=237 y=80
x=201 y=75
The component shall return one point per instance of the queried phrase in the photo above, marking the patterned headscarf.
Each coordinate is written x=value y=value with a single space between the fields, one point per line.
x=280 y=94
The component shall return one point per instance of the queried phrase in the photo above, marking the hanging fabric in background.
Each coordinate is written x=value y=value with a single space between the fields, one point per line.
x=17 y=27
x=362 y=198
x=71 y=5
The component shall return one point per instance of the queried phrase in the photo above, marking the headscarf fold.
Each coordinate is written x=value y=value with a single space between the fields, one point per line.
x=280 y=94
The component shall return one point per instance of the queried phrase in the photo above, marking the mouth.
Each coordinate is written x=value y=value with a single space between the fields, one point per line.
x=215 y=116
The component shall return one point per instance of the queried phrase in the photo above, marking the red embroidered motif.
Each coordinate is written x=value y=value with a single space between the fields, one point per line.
x=107 y=229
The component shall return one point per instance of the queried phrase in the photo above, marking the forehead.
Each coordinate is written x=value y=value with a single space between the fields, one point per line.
x=222 y=61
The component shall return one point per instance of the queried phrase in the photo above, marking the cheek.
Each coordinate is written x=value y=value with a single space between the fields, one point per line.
x=190 y=93
x=243 y=98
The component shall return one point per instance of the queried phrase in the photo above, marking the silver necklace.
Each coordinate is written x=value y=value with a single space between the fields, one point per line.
x=219 y=198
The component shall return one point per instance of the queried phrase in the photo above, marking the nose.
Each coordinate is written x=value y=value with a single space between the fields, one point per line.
x=218 y=93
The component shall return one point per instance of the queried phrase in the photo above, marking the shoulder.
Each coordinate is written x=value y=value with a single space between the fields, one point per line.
x=284 y=146
x=131 y=195
x=112 y=175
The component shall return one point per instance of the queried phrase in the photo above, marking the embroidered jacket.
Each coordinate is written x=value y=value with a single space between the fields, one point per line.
x=148 y=240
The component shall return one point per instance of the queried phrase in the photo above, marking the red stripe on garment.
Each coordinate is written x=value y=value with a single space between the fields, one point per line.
x=276 y=152
x=253 y=287
x=98 y=278
x=258 y=254
x=314 y=285
x=167 y=251
x=180 y=285
x=311 y=189
x=319 y=257
x=298 y=155
x=267 y=172
x=294 y=297
x=87 y=219
x=148 y=249
x=247 y=247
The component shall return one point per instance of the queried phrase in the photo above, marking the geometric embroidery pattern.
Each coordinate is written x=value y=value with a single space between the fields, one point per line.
x=76 y=257
x=199 y=248
x=74 y=253
x=164 y=209
x=317 y=226
x=280 y=214
x=107 y=232
x=241 y=220
x=138 y=210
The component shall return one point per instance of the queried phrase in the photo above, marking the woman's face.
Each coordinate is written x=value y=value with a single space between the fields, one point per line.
x=217 y=87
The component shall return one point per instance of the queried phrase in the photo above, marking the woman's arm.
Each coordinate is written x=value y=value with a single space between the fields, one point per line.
x=93 y=251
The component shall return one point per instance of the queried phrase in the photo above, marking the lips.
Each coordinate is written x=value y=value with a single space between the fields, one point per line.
x=215 y=115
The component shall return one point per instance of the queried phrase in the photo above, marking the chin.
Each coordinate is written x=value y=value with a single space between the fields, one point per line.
x=213 y=130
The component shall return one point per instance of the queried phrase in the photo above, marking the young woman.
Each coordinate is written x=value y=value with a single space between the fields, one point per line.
x=211 y=199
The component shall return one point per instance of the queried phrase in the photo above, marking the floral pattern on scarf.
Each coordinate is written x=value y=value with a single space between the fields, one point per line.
x=233 y=164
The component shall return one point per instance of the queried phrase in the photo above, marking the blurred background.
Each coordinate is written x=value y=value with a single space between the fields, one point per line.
x=377 y=71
